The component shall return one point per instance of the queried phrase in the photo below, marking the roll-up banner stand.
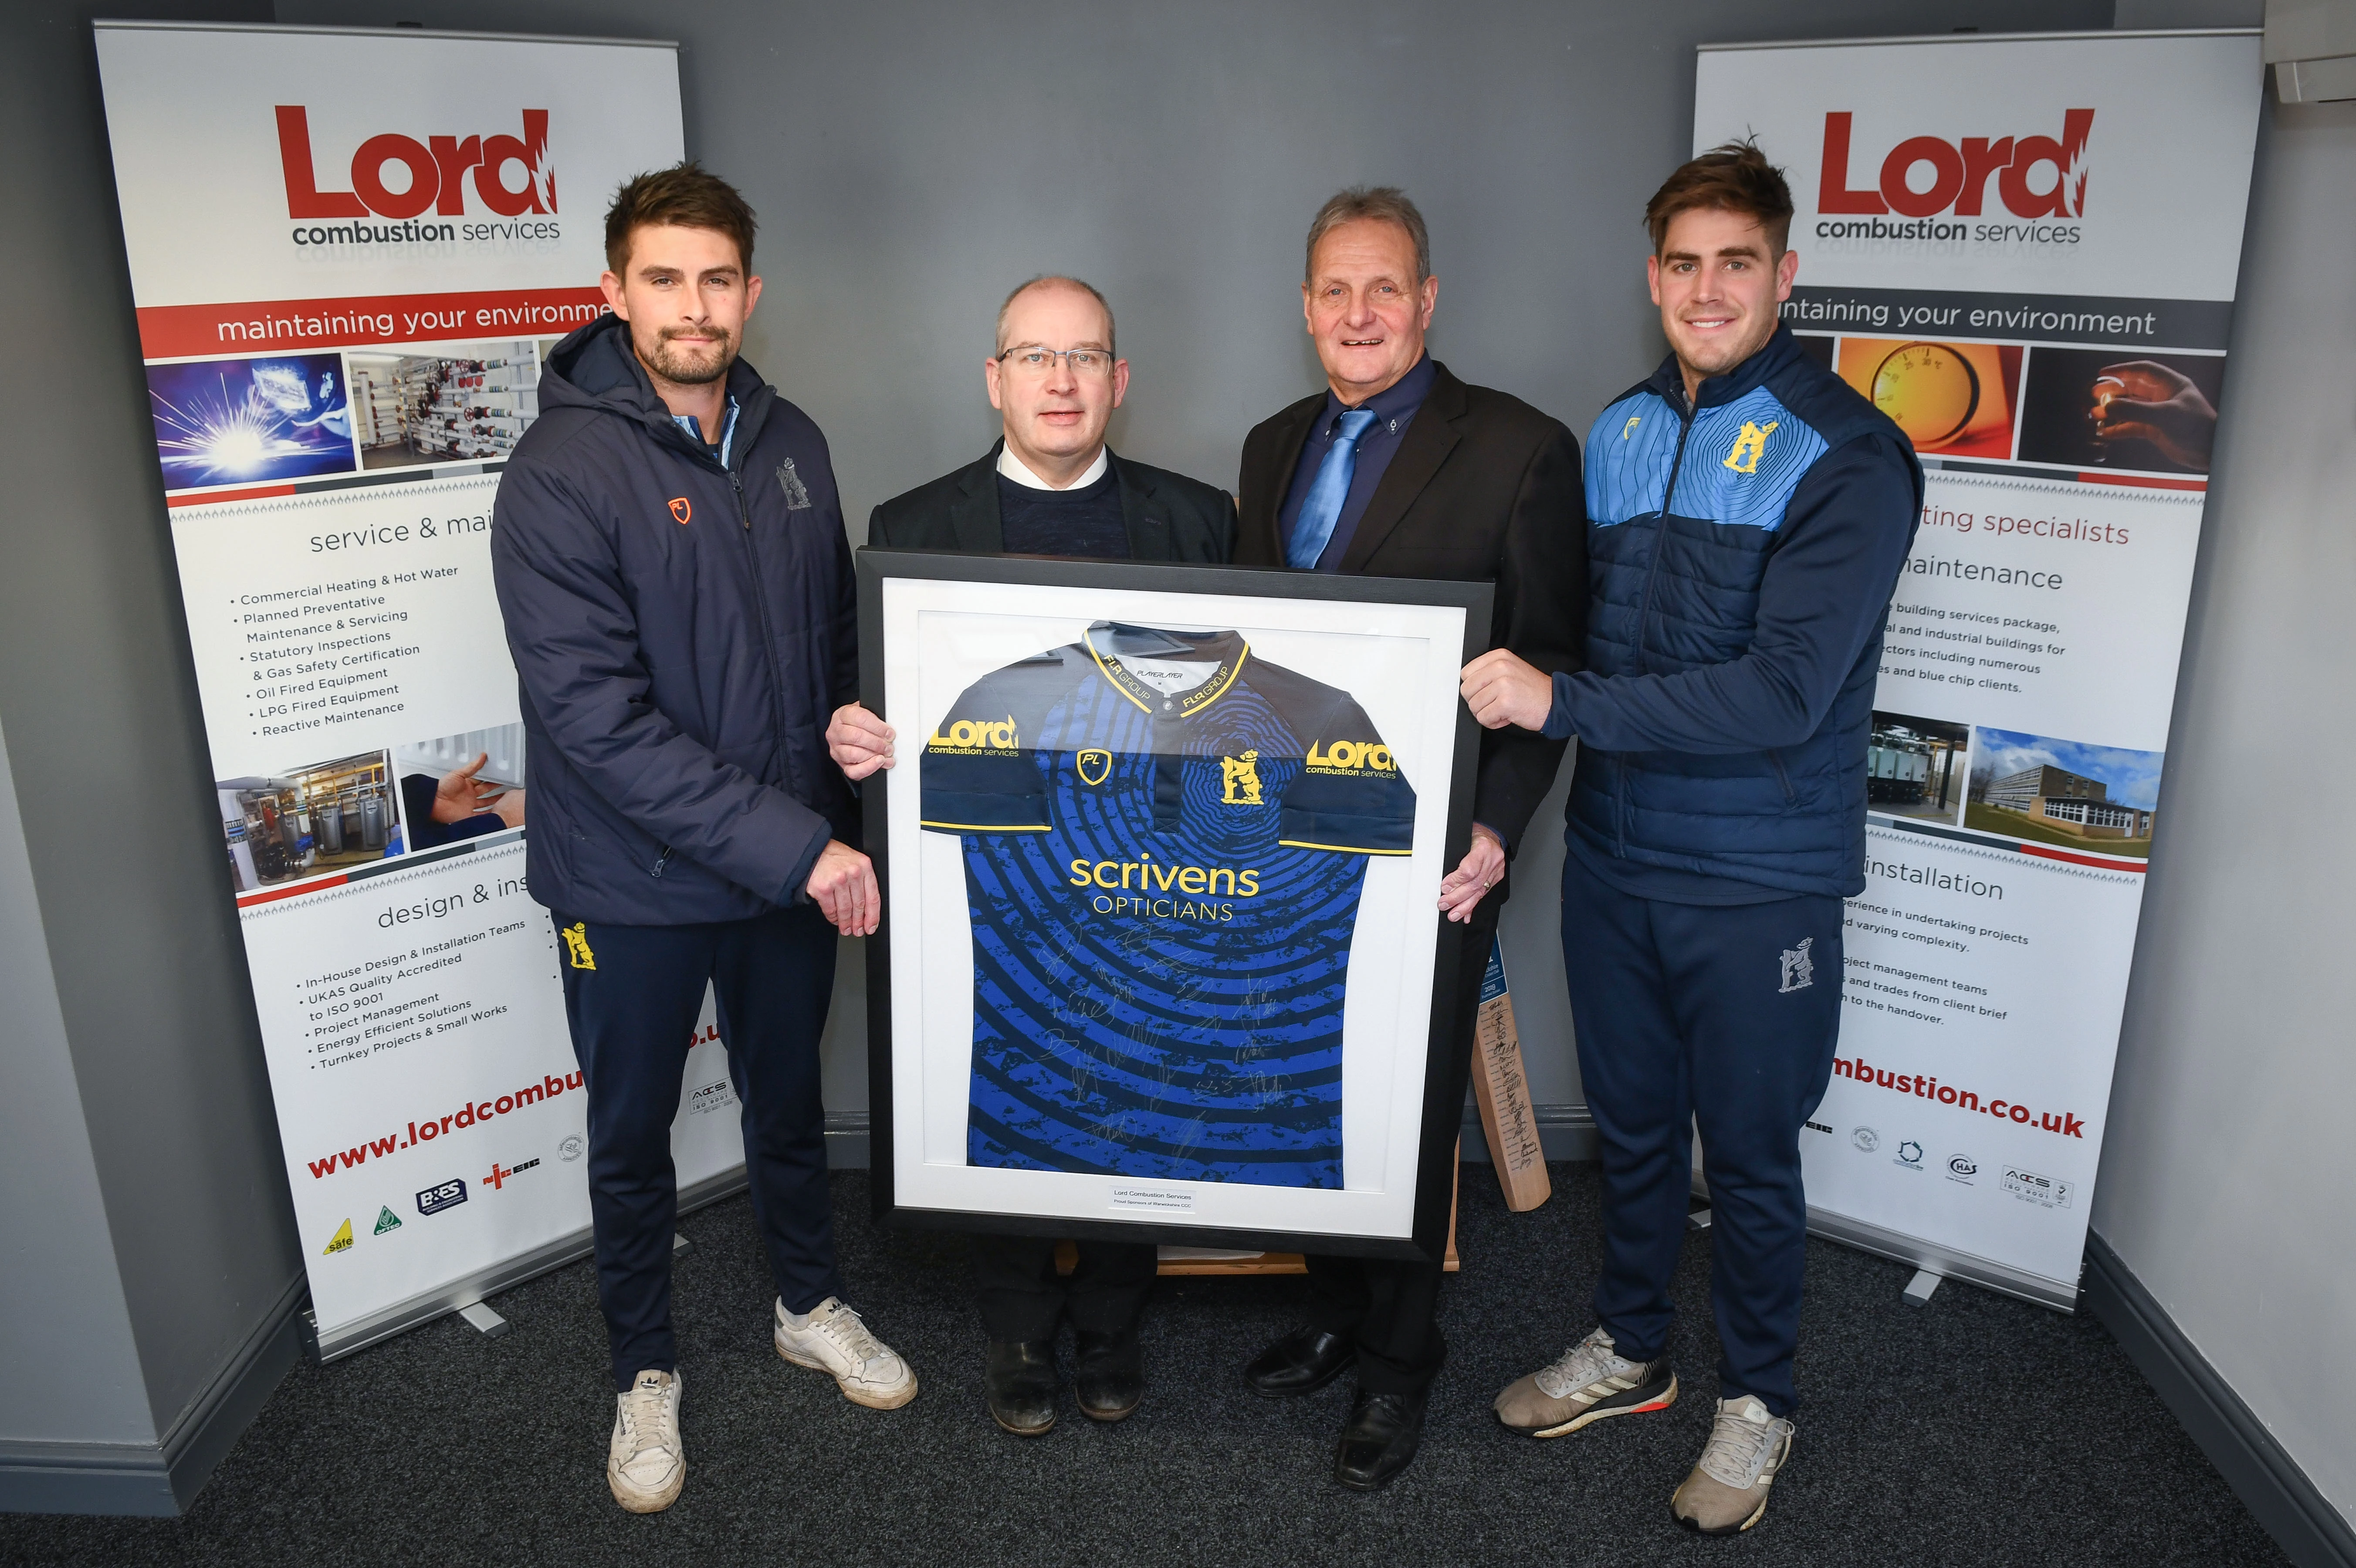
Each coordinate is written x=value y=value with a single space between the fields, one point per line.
x=2023 y=249
x=350 y=250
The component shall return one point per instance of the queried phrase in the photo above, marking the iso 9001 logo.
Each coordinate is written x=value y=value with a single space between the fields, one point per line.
x=446 y=1194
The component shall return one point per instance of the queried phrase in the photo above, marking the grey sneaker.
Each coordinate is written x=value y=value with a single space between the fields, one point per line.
x=1726 y=1492
x=1590 y=1383
x=646 y=1463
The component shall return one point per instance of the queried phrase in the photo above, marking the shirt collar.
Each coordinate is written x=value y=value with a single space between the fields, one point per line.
x=1111 y=641
x=727 y=428
x=1014 y=468
x=1395 y=404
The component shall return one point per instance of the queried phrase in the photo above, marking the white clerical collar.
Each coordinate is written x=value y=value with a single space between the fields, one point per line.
x=1012 y=467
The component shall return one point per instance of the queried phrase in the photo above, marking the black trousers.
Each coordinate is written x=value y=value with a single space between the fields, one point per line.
x=1023 y=1297
x=633 y=1016
x=1389 y=1307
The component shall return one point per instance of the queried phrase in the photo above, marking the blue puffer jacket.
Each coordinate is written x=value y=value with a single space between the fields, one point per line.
x=1741 y=557
x=681 y=632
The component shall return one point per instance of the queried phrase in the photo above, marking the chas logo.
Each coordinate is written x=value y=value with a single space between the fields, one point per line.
x=1960 y=173
x=438 y=171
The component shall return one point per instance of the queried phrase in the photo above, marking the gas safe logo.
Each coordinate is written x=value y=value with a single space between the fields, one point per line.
x=398 y=178
x=2032 y=177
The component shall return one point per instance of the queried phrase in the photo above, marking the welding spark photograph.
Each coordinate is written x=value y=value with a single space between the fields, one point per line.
x=230 y=421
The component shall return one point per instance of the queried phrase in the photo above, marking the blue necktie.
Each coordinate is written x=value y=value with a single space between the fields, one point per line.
x=1313 y=528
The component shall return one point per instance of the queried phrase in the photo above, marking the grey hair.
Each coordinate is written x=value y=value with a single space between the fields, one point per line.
x=1112 y=342
x=1383 y=204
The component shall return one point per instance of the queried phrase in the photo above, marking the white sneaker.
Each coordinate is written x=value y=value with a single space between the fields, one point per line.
x=832 y=1339
x=645 y=1463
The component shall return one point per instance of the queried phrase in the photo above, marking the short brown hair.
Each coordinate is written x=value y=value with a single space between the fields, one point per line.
x=1112 y=343
x=1383 y=204
x=683 y=194
x=1734 y=176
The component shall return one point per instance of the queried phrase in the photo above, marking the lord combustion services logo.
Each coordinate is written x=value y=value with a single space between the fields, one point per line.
x=1924 y=179
x=397 y=185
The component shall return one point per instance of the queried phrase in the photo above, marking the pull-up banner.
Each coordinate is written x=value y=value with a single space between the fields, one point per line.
x=349 y=250
x=2024 y=251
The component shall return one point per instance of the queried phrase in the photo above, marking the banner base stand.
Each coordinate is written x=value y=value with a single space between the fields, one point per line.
x=1919 y=1288
x=1939 y=1263
x=471 y=1291
x=483 y=1321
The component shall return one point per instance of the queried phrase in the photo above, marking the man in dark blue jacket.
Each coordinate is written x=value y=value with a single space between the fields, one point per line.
x=1748 y=516
x=668 y=551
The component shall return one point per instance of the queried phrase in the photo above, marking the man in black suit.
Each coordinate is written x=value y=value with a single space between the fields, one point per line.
x=1398 y=469
x=1051 y=486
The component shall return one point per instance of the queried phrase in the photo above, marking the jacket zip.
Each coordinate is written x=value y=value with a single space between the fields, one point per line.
x=1645 y=610
x=768 y=637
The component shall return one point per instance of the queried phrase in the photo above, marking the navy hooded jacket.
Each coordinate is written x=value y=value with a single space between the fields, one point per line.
x=1742 y=556
x=681 y=632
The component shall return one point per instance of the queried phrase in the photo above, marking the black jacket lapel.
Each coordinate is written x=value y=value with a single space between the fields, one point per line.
x=1421 y=451
x=1147 y=520
x=973 y=516
x=1265 y=490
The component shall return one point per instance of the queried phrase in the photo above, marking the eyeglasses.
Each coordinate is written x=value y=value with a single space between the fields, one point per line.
x=1034 y=360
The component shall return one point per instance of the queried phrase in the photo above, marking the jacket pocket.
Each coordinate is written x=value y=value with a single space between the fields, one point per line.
x=1783 y=777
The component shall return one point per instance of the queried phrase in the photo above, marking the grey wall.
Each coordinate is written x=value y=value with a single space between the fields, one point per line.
x=69 y=1330
x=2225 y=1177
x=144 y=1186
x=912 y=161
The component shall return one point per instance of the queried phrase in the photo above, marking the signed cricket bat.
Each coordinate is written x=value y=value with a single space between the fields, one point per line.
x=1503 y=1093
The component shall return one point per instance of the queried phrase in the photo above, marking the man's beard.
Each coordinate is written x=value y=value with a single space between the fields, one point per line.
x=679 y=369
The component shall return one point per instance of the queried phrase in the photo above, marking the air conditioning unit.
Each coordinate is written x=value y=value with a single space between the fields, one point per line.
x=2311 y=43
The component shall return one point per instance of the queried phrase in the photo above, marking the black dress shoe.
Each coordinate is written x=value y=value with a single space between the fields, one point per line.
x=1301 y=1362
x=1019 y=1379
x=1380 y=1440
x=1110 y=1378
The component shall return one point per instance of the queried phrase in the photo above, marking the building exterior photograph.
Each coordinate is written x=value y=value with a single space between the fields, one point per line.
x=2034 y=787
x=2070 y=802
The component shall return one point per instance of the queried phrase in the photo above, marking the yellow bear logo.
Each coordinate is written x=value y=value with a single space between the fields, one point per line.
x=1240 y=778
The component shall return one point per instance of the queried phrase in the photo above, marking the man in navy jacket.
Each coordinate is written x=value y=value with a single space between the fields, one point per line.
x=1748 y=516
x=668 y=551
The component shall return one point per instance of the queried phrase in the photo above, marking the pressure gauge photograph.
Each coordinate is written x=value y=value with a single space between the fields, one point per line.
x=1951 y=398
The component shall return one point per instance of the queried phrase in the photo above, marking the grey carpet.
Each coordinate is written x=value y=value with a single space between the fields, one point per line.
x=1978 y=1431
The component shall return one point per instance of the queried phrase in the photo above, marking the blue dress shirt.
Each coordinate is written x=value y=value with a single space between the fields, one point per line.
x=1394 y=407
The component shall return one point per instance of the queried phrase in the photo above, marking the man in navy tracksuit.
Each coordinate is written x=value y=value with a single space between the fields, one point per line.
x=1748 y=516
x=668 y=551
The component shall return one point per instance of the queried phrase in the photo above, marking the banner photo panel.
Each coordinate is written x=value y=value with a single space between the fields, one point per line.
x=2024 y=251
x=349 y=250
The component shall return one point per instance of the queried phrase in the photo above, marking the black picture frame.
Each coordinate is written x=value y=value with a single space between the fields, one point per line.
x=1442 y=1120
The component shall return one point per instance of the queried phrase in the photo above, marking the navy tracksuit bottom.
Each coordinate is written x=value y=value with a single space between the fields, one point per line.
x=631 y=995
x=1724 y=1016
